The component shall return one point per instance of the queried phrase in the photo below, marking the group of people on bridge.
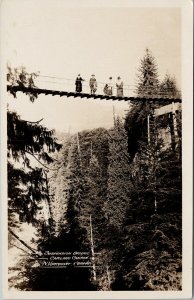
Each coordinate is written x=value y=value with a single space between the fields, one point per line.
x=108 y=88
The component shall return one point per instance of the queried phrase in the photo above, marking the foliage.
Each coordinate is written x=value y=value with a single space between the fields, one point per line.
x=27 y=142
x=118 y=175
x=151 y=235
x=151 y=255
x=20 y=77
x=136 y=122
x=26 y=137
x=25 y=191
x=147 y=78
x=123 y=184
x=168 y=88
x=26 y=185
x=59 y=185
x=148 y=85
x=76 y=197
x=136 y=126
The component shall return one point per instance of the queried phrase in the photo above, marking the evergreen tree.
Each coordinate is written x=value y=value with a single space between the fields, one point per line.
x=76 y=197
x=27 y=183
x=136 y=126
x=59 y=185
x=94 y=146
x=151 y=235
x=168 y=88
x=69 y=235
x=118 y=176
x=148 y=86
x=147 y=78
x=19 y=76
x=27 y=142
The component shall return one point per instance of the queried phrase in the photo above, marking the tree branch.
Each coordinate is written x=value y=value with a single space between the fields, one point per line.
x=36 y=122
x=13 y=245
x=22 y=242
x=41 y=162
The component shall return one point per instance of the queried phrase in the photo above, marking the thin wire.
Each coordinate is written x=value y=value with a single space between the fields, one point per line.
x=126 y=87
x=70 y=79
x=145 y=89
x=99 y=82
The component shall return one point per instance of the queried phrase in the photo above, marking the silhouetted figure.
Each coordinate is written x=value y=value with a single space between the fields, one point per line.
x=78 y=84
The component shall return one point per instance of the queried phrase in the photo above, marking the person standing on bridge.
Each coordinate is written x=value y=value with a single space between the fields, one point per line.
x=78 y=84
x=93 y=84
x=119 y=86
x=108 y=89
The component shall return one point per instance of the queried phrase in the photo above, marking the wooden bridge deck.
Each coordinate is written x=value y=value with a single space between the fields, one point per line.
x=88 y=96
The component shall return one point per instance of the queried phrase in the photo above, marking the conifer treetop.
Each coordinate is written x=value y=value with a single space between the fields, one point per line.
x=147 y=77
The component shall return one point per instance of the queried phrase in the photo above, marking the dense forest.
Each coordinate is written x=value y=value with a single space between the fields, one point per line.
x=115 y=193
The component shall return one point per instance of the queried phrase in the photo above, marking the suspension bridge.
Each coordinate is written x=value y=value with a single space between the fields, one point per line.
x=65 y=87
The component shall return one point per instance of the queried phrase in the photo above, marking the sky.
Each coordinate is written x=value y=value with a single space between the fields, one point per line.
x=60 y=40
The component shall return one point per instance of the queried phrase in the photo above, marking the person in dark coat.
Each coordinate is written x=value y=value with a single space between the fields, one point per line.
x=78 y=84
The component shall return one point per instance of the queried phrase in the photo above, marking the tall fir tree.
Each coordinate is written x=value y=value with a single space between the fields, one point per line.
x=153 y=213
x=118 y=175
x=168 y=88
x=147 y=86
x=59 y=185
x=76 y=196
x=147 y=77
x=27 y=143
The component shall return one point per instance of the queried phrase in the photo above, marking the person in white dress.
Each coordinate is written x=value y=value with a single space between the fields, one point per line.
x=119 y=86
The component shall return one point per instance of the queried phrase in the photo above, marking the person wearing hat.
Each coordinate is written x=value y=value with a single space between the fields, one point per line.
x=93 y=84
x=108 y=89
x=119 y=86
x=78 y=84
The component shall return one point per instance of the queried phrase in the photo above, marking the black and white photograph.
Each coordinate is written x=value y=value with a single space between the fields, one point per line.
x=95 y=193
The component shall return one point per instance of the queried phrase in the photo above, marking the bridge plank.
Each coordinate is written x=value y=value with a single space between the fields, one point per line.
x=85 y=95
